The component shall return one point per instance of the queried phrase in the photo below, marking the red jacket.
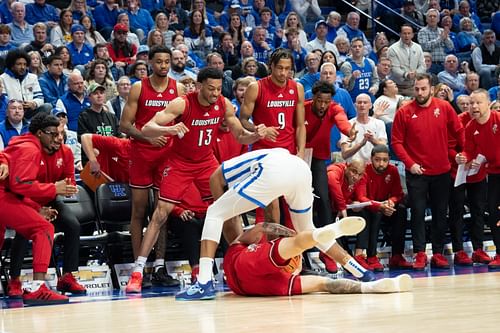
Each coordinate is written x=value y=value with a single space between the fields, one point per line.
x=318 y=129
x=427 y=136
x=341 y=193
x=120 y=56
x=381 y=187
x=24 y=154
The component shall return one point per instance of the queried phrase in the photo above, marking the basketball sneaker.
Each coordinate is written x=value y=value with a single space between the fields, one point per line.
x=134 y=284
x=14 y=288
x=480 y=257
x=439 y=261
x=399 y=283
x=368 y=276
x=420 y=261
x=161 y=278
x=397 y=261
x=375 y=264
x=68 y=284
x=197 y=291
x=495 y=263
x=330 y=264
x=362 y=261
x=462 y=259
x=43 y=296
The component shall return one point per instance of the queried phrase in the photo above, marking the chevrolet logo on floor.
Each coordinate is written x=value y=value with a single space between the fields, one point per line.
x=90 y=275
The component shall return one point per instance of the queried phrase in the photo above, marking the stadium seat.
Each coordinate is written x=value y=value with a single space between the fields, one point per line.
x=113 y=202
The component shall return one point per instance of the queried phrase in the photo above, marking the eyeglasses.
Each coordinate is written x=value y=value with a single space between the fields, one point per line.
x=54 y=135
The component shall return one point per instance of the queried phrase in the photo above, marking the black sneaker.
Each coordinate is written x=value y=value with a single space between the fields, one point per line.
x=146 y=281
x=161 y=278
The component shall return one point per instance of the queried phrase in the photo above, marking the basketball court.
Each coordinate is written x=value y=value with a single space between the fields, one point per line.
x=458 y=300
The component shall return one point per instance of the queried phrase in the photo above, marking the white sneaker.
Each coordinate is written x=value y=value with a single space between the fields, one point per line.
x=347 y=226
x=400 y=283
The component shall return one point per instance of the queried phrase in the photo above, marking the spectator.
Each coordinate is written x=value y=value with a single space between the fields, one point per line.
x=387 y=93
x=247 y=51
x=236 y=29
x=198 y=36
x=435 y=40
x=92 y=37
x=262 y=49
x=189 y=85
x=410 y=13
x=273 y=35
x=138 y=71
x=3 y=102
x=178 y=66
x=486 y=59
x=471 y=84
x=106 y=16
x=370 y=131
x=333 y=20
x=36 y=64
x=214 y=60
x=405 y=68
x=143 y=54
x=54 y=83
x=250 y=66
x=193 y=61
x=343 y=46
x=131 y=37
x=141 y=21
x=428 y=65
x=21 y=85
x=384 y=69
x=61 y=34
x=495 y=24
x=494 y=92
x=81 y=52
x=63 y=52
x=40 y=44
x=99 y=73
x=281 y=8
x=329 y=56
x=467 y=39
x=122 y=52
x=117 y=103
x=162 y=24
x=320 y=42
x=79 y=8
x=451 y=75
x=239 y=88
x=293 y=21
x=21 y=31
x=311 y=73
x=74 y=101
x=446 y=23
x=40 y=11
x=293 y=44
x=464 y=11
x=225 y=17
x=308 y=10
x=155 y=37
x=351 y=30
x=178 y=17
x=5 y=42
x=14 y=124
x=208 y=18
x=360 y=74
x=442 y=91
x=379 y=42
x=227 y=50
x=5 y=11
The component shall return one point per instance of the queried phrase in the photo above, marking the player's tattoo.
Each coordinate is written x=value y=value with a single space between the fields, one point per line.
x=343 y=286
x=277 y=230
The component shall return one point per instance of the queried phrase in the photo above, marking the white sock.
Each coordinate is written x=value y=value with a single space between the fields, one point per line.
x=140 y=262
x=380 y=286
x=159 y=263
x=36 y=284
x=205 y=274
x=354 y=268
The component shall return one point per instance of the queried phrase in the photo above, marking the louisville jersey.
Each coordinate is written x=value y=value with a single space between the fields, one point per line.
x=114 y=156
x=203 y=123
x=275 y=106
x=151 y=101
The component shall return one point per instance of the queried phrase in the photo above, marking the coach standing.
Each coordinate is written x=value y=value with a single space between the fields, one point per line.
x=421 y=134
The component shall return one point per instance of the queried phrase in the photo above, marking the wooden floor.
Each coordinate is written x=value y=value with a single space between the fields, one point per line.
x=460 y=303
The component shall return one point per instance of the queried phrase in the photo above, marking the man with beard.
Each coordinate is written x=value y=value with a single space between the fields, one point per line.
x=420 y=138
x=57 y=165
x=486 y=59
x=147 y=97
x=178 y=67
x=383 y=188
x=19 y=195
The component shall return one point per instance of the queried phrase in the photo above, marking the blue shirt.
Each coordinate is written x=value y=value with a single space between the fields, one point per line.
x=141 y=20
x=105 y=17
x=19 y=35
x=81 y=57
x=51 y=90
x=36 y=13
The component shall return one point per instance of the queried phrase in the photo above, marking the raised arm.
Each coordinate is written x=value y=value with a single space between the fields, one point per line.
x=156 y=126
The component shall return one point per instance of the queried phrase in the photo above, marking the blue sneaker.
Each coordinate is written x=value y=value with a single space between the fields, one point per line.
x=368 y=276
x=197 y=291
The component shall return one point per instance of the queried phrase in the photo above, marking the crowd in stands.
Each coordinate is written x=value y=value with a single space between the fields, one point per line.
x=79 y=60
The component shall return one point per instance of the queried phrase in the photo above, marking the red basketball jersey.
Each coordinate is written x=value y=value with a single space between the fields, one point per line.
x=275 y=106
x=151 y=101
x=203 y=123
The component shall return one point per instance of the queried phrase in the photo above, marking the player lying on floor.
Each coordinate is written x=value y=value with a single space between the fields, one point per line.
x=271 y=268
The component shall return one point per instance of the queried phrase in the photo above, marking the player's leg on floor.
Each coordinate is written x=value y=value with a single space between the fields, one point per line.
x=312 y=283
x=140 y=201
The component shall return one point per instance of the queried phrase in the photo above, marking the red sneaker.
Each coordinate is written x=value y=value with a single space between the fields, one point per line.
x=462 y=259
x=330 y=264
x=439 y=261
x=15 y=288
x=420 y=261
x=134 y=284
x=68 y=284
x=480 y=257
x=43 y=296
x=375 y=264
x=362 y=261
x=397 y=261
x=495 y=263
